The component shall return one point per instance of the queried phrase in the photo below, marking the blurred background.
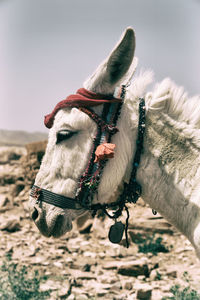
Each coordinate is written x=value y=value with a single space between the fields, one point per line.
x=49 y=47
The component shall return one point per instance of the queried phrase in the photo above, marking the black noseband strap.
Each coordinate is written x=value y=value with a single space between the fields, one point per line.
x=52 y=198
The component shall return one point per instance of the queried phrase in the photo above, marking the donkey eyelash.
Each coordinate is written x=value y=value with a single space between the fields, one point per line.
x=64 y=135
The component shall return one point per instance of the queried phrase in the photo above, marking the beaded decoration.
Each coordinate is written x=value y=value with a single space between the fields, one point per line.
x=89 y=183
x=106 y=128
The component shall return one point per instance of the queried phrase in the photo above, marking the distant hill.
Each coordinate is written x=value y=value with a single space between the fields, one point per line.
x=20 y=138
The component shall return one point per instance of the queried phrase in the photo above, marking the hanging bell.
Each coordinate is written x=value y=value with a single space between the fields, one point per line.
x=116 y=232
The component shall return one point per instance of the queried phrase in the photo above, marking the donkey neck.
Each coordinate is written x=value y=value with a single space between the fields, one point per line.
x=169 y=172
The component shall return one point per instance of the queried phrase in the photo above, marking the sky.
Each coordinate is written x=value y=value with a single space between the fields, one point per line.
x=49 y=47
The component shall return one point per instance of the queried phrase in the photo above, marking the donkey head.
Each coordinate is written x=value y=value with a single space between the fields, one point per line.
x=70 y=143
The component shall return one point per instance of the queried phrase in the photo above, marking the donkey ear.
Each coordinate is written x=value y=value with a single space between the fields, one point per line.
x=121 y=57
x=112 y=70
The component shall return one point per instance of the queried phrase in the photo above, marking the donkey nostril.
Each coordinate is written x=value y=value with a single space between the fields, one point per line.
x=35 y=214
x=59 y=221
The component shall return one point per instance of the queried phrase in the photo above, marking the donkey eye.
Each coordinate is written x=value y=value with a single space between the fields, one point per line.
x=64 y=135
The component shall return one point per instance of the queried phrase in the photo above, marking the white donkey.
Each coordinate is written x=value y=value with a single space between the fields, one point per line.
x=168 y=168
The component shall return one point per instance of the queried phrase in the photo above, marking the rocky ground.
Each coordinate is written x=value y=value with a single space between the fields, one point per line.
x=84 y=264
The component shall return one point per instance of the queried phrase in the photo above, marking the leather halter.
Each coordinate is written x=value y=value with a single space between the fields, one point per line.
x=89 y=181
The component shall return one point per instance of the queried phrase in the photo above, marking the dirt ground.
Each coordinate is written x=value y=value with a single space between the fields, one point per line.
x=83 y=264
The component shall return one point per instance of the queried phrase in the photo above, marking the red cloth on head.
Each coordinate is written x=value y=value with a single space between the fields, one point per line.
x=82 y=98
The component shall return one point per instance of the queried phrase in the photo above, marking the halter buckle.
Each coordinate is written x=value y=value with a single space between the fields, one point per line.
x=36 y=194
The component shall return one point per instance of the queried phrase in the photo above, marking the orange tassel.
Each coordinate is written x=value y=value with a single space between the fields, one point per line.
x=104 y=151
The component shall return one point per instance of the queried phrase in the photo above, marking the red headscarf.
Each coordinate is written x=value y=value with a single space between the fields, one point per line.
x=82 y=98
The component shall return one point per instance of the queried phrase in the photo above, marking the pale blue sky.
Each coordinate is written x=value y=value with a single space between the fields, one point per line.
x=48 y=48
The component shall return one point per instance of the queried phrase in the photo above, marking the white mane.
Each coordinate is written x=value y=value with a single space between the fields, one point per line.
x=168 y=98
x=174 y=102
